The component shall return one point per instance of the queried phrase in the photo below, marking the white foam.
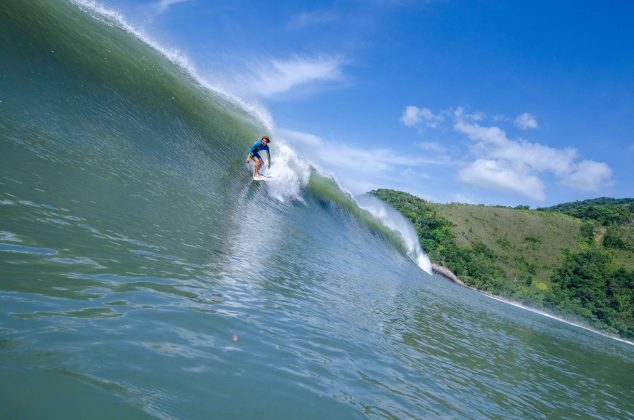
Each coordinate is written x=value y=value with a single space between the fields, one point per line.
x=289 y=173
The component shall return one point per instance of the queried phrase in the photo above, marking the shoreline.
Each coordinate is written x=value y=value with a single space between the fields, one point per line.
x=449 y=275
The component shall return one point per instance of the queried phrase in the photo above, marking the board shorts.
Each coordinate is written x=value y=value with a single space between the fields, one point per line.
x=254 y=155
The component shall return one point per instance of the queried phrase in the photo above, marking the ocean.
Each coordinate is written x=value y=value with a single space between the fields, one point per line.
x=144 y=274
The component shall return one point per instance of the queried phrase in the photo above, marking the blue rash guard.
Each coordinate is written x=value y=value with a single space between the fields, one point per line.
x=257 y=147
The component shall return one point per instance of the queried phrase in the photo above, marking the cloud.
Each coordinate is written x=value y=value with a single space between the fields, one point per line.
x=589 y=176
x=305 y=19
x=432 y=147
x=362 y=160
x=278 y=76
x=494 y=174
x=435 y=151
x=514 y=165
x=163 y=5
x=525 y=121
x=414 y=116
x=494 y=143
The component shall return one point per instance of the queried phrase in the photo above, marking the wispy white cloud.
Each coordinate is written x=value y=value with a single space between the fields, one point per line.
x=305 y=19
x=359 y=159
x=525 y=121
x=435 y=151
x=432 y=147
x=163 y=5
x=589 y=176
x=357 y=163
x=273 y=77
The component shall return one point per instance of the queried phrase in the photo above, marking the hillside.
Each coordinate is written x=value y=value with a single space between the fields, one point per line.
x=603 y=210
x=581 y=265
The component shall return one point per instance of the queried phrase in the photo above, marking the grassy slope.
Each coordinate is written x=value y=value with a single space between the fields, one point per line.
x=526 y=242
x=622 y=257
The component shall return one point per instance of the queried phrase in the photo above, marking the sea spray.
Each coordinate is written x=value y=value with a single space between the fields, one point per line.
x=289 y=173
x=395 y=221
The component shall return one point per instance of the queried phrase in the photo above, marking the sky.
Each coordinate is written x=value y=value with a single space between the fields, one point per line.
x=481 y=101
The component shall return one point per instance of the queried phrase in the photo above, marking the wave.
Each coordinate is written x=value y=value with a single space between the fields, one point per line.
x=176 y=57
x=168 y=85
x=291 y=174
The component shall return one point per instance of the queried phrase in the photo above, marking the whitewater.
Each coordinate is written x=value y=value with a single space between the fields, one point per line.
x=143 y=273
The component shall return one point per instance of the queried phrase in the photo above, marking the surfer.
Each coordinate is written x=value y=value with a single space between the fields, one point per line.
x=253 y=154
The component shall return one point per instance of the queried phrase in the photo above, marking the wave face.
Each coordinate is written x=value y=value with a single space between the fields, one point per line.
x=143 y=273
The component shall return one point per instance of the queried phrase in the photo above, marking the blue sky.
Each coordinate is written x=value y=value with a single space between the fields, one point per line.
x=495 y=102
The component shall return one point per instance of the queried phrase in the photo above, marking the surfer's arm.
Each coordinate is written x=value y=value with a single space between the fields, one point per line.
x=268 y=157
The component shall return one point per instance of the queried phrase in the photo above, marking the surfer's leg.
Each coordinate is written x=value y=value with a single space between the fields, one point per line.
x=258 y=165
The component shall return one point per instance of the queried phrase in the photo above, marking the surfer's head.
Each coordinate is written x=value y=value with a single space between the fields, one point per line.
x=266 y=138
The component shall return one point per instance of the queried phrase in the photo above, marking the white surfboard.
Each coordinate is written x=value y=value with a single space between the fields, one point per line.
x=261 y=178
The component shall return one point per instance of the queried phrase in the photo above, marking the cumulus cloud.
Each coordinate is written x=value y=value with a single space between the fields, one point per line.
x=494 y=143
x=278 y=76
x=414 y=116
x=496 y=175
x=525 y=121
x=514 y=165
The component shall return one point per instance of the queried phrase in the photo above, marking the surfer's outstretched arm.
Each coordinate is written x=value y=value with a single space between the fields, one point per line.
x=268 y=157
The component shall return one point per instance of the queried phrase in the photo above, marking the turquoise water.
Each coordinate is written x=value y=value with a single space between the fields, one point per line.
x=142 y=273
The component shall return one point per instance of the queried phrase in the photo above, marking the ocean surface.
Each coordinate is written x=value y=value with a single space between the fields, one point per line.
x=143 y=273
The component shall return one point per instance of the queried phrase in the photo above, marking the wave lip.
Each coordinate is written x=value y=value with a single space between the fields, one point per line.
x=175 y=56
x=397 y=222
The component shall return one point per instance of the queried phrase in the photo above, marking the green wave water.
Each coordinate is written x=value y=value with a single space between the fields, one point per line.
x=143 y=274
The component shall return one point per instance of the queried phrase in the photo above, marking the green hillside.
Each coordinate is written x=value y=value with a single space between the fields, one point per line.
x=603 y=210
x=576 y=258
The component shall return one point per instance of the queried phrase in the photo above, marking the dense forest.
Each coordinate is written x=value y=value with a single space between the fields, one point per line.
x=575 y=259
x=604 y=210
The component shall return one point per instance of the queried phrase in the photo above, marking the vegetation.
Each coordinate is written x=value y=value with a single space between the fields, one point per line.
x=575 y=259
x=586 y=285
x=606 y=211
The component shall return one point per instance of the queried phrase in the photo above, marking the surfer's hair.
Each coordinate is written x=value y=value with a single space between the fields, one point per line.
x=266 y=138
